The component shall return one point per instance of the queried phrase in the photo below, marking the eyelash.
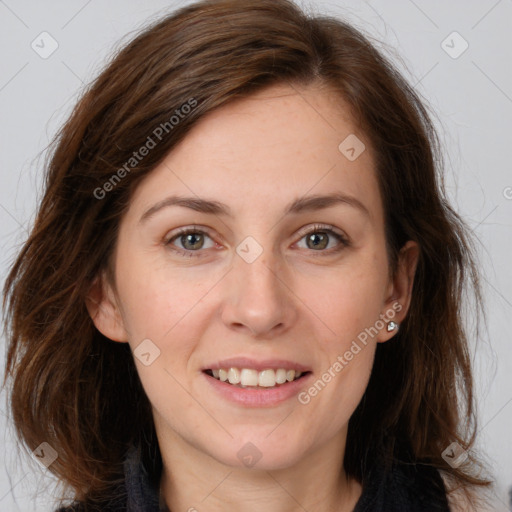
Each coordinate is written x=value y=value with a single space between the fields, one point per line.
x=343 y=241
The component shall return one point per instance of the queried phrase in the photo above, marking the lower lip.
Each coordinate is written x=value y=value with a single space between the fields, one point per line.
x=257 y=397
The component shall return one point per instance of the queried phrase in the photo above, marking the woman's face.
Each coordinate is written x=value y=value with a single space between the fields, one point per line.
x=282 y=267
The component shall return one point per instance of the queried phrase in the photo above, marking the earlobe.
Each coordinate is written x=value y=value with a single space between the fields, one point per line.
x=103 y=309
x=400 y=289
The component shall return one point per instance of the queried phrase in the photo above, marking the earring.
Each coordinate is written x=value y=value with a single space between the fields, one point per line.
x=392 y=326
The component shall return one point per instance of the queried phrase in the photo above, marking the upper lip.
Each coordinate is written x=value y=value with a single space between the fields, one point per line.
x=259 y=365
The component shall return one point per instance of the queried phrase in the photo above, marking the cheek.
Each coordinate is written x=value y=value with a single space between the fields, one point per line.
x=157 y=300
x=333 y=397
x=347 y=300
x=167 y=310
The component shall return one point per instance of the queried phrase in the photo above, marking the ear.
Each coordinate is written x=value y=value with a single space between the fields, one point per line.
x=103 y=307
x=399 y=291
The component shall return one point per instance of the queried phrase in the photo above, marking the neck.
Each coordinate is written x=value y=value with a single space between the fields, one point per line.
x=193 y=481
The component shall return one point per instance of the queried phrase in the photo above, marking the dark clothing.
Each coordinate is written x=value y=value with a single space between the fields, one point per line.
x=406 y=488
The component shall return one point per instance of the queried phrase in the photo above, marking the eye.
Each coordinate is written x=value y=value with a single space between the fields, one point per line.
x=322 y=239
x=318 y=238
x=190 y=240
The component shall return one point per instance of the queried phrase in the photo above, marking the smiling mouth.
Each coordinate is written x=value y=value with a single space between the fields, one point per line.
x=249 y=378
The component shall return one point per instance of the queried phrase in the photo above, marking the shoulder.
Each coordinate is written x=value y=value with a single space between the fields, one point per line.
x=82 y=507
x=403 y=487
x=107 y=504
x=420 y=485
x=135 y=490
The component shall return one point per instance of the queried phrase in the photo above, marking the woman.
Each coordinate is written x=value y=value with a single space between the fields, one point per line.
x=243 y=286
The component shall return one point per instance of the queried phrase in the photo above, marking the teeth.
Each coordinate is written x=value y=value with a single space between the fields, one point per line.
x=280 y=376
x=234 y=375
x=267 y=378
x=248 y=377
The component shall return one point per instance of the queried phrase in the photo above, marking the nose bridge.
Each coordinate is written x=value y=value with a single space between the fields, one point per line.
x=257 y=295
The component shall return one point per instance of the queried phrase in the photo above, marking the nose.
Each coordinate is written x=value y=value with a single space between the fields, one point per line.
x=257 y=298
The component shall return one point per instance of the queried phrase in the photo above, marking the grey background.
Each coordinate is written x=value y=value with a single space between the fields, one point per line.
x=471 y=94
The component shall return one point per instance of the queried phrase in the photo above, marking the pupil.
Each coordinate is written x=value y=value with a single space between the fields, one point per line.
x=318 y=243
x=192 y=240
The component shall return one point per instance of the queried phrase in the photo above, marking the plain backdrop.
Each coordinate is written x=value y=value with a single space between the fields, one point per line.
x=458 y=55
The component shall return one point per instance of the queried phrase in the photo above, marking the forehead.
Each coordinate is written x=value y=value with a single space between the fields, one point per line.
x=272 y=147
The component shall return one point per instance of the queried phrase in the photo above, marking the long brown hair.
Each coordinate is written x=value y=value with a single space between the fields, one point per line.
x=66 y=376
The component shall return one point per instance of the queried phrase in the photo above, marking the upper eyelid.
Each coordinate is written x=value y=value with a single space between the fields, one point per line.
x=187 y=230
x=341 y=236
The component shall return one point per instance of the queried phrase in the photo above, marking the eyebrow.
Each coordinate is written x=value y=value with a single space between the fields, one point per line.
x=301 y=205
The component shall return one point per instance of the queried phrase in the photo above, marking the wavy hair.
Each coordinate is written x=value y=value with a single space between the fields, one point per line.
x=65 y=376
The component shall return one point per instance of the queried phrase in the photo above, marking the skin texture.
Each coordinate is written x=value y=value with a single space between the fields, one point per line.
x=294 y=302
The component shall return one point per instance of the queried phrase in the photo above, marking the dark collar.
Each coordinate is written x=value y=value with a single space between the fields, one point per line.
x=142 y=491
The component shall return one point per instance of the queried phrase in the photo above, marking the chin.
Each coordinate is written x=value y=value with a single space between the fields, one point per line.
x=258 y=452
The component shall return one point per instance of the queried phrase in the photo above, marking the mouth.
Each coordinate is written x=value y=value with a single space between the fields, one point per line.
x=251 y=378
